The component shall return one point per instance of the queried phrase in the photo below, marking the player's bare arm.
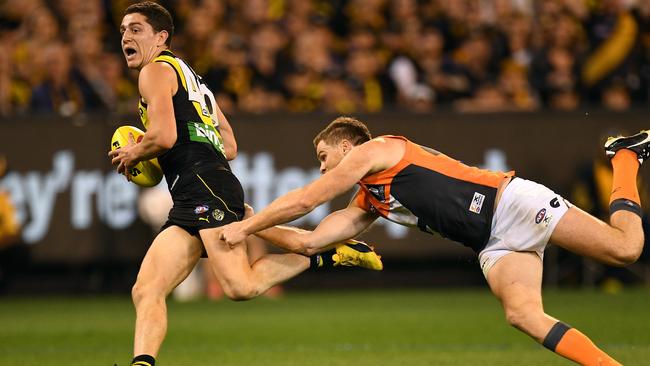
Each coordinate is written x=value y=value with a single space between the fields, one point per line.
x=157 y=84
x=227 y=134
x=337 y=227
x=368 y=158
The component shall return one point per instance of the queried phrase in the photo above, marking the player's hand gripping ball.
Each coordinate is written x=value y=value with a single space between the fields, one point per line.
x=145 y=173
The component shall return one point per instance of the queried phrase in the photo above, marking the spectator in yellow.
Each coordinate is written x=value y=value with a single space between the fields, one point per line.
x=9 y=228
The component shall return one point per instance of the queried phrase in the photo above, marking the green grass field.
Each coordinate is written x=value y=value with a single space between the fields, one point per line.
x=414 y=327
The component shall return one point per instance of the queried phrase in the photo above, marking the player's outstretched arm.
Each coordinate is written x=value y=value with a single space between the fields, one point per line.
x=337 y=227
x=297 y=203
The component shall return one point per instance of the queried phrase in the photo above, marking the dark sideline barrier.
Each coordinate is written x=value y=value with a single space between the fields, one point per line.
x=75 y=210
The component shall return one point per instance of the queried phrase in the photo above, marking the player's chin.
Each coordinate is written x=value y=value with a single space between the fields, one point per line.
x=132 y=61
x=133 y=64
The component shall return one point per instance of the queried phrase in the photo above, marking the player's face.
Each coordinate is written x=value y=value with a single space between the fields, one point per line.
x=140 y=43
x=329 y=155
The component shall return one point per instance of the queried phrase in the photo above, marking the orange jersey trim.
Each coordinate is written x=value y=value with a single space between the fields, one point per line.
x=443 y=164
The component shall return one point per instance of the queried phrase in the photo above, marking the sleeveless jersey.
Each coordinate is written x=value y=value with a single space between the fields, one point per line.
x=198 y=141
x=435 y=193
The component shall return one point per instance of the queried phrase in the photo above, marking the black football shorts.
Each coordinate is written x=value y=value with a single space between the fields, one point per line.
x=205 y=198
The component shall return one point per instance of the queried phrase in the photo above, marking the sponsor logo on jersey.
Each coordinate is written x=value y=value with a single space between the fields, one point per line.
x=477 y=203
x=201 y=132
x=201 y=209
x=540 y=216
x=218 y=214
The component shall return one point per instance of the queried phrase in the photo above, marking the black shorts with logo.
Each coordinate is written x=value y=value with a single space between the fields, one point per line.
x=205 y=198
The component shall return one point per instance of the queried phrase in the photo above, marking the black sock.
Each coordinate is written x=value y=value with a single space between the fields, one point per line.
x=315 y=261
x=626 y=205
x=322 y=260
x=555 y=335
x=143 y=360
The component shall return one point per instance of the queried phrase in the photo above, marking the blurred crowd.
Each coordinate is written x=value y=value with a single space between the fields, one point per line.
x=340 y=56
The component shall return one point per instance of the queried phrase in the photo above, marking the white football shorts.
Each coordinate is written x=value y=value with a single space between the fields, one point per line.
x=523 y=221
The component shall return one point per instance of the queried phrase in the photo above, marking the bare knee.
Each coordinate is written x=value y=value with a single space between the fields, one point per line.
x=141 y=292
x=240 y=291
x=523 y=317
x=516 y=318
x=626 y=251
x=626 y=255
x=626 y=243
x=137 y=293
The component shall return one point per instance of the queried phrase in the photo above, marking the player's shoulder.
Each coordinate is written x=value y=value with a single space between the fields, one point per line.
x=384 y=142
x=157 y=68
x=380 y=152
x=156 y=74
x=386 y=138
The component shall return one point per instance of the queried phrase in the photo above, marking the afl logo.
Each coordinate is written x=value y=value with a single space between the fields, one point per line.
x=201 y=209
x=540 y=216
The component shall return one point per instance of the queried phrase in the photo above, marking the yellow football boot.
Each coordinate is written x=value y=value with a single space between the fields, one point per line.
x=354 y=253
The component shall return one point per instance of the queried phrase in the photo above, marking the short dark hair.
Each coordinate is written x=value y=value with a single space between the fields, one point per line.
x=157 y=16
x=344 y=128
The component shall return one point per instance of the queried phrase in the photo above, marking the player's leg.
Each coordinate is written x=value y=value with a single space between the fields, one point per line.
x=516 y=279
x=168 y=261
x=241 y=280
x=257 y=249
x=618 y=244
x=621 y=242
x=223 y=200
x=223 y=194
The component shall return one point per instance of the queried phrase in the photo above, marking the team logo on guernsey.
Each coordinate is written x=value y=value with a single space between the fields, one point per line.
x=540 y=216
x=218 y=214
x=201 y=209
x=477 y=203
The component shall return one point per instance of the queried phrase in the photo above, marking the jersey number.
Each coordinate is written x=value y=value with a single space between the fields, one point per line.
x=199 y=93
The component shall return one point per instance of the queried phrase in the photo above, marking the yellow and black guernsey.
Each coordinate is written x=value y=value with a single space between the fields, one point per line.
x=205 y=192
x=198 y=139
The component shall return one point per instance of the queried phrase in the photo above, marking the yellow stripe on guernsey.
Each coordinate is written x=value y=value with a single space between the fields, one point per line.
x=174 y=62
x=189 y=84
x=141 y=363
